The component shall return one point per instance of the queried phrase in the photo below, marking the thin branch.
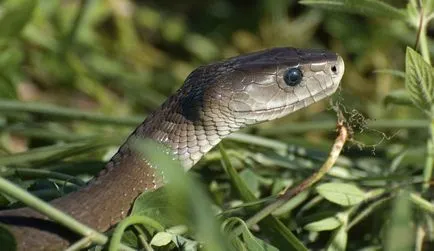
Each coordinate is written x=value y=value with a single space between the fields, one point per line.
x=290 y=193
x=419 y=29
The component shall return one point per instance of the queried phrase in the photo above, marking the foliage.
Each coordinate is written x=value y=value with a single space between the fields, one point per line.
x=112 y=62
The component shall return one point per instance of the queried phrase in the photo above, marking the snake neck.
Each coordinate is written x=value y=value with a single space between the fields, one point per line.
x=189 y=136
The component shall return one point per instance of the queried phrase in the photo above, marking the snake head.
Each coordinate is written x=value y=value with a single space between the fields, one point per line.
x=273 y=83
x=222 y=97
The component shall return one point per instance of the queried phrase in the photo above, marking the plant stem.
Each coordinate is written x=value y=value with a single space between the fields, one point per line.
x=36 y=173
x=132 y=220
x=424 y=49
x=37 y=204
x=422 y=34
x=288 y=194
x=427 y=172
x=422 y=204
x=79 y=245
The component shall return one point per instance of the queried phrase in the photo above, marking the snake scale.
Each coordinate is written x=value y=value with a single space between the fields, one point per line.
x=214 y=101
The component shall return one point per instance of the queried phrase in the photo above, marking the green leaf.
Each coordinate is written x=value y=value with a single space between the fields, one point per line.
x=421 y=203
x=419 y=80
x=413 y=13
x=115 y=241
x=154 y=205
x=54 y=152
x=340 y=193
x=11 y=61
x=7 y=240
x=292 y=203
x=339 y=239
x=251 y=180
x=398 y=97
x=7 y=88
x=392 y=72
x=236 y=180
x=401 y=224
x=255 y=244
x=130 y=238
x=251 y=242
x=15 y=17
x=201 y=46
x=55 y=112
x=429 y=8
x=271 y=223
x=363 y=7
x=185 y=244
x=161 y=239
x=326 y=224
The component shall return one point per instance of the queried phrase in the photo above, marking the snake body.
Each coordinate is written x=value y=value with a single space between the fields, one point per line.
x=214 y=101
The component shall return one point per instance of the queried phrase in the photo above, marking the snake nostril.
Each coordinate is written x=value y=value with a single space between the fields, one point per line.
x=334 y=69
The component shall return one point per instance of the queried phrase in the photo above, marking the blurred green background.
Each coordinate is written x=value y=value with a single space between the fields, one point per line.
x=96 y=68
x=123 y=57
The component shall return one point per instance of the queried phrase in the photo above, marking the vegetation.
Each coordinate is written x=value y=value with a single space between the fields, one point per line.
x=77 y=76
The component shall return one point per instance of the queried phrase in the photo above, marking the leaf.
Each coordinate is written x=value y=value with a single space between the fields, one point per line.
x=339 y=239
x=271 y=223
x=364 y=7
x=55 y=112
x=251 y=242
x=340 y=193
x=7 y=88
x=130 y=238
x=53 y=152
x=185 y=244
x=251 y=180
x=292 y=203
x=421 y=203
x=7 y=240
x=398 y=97
x=392 y=72
x=161 y=239
x=255 y=244
x=401 y=224
x=11 y=61
x=239 y=184
x=15 y=17
x=326 y=224
x=201 y=46
x=413 y=13
x=419 y=80
x=115 y=241
x=155 y=205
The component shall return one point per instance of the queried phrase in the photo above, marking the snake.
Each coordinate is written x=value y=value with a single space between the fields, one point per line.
x=214 y=101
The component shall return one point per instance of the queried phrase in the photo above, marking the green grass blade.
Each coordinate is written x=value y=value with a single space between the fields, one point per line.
x=270 y=222
x=373 y=8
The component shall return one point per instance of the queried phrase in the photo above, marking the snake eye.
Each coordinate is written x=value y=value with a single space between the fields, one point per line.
x=293 y=77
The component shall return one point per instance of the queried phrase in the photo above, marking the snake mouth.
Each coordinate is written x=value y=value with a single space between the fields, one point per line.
x=292 y=106
x=267 y=110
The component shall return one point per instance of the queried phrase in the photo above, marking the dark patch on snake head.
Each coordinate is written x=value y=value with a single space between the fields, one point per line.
x=192 y=105
x=191 y=96
x=256 y=87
